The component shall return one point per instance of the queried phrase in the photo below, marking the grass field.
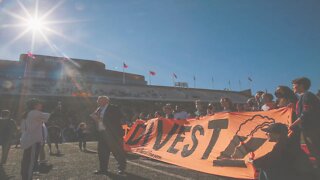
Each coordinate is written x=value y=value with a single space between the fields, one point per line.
x=74 y=164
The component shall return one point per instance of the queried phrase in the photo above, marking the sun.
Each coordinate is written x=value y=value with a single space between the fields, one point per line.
x=35 y=24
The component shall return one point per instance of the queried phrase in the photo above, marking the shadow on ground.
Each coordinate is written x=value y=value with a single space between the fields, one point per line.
x=128 y=176
x=90 y=151
x=57 y=155
x=45 y=169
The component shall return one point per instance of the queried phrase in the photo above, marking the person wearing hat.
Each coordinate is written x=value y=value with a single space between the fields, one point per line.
x=283 y=162
x=32 y=137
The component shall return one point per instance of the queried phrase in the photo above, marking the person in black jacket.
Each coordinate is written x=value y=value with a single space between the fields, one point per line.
x=284 y=161
x=8 y=129
x=110 y=135
x=308 y=116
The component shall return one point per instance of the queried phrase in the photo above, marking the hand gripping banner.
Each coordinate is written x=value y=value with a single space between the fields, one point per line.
x=222 y=144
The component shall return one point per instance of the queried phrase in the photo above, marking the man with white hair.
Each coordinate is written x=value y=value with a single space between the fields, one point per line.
x=110 y=135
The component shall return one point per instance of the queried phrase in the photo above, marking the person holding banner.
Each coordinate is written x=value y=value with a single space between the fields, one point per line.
x=211 y=109
x=168 y=111
x=285 y=97
x=200 y=111
x=284 y=161
x=110 y=135
x=308 y=116
x=226 y=104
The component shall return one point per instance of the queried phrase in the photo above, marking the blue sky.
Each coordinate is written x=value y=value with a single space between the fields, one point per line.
x=271 y=41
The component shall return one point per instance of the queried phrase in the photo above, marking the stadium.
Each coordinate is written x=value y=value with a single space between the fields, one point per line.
x=76 y=83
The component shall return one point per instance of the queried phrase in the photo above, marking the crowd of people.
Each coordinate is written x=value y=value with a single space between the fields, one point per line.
x=36 y=128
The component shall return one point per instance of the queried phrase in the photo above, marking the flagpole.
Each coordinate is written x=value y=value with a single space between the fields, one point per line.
x=173 y=79
x=240 y=85
x=149 y=79
x=212 y=82
x=123 y=76
x=194 y=81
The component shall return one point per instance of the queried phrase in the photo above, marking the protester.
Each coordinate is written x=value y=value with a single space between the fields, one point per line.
x=142 y=116
x=267 y=102
x=149 y=116
x=211 y=109
x=200 y=111
x=168 y=111
x=226 y=104
x=258 y=99
x=285 y=97
x=110 y=135
x=157 y=114
x=8 y=129
x=251 y=103
x=308 y=113
x=81 y=132
x=283 y=162
x=54 y=126
x=240 y=107
x=180 y=113
x=54 y=136
x=32 y=137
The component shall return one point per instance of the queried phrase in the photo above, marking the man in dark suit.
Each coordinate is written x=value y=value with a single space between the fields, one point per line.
x=110 y=135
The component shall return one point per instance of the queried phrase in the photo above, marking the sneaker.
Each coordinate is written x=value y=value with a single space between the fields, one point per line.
x=121 y=172
x=100 y=172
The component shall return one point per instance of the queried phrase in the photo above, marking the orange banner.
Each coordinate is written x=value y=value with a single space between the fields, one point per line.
x=223 y=144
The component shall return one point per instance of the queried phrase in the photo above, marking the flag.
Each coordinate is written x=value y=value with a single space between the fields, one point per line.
x=125 y=65
x=249 y=79
x=30 y=55
x=152 y=73
x=194 y=78
x=175 y=76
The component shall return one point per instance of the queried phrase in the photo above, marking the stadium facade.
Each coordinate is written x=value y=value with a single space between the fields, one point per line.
x=77 y=81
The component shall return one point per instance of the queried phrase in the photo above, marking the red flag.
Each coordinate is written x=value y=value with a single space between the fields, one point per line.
x=125 y=65
x=175 y=76
x=30 y=55
x=152 y=73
